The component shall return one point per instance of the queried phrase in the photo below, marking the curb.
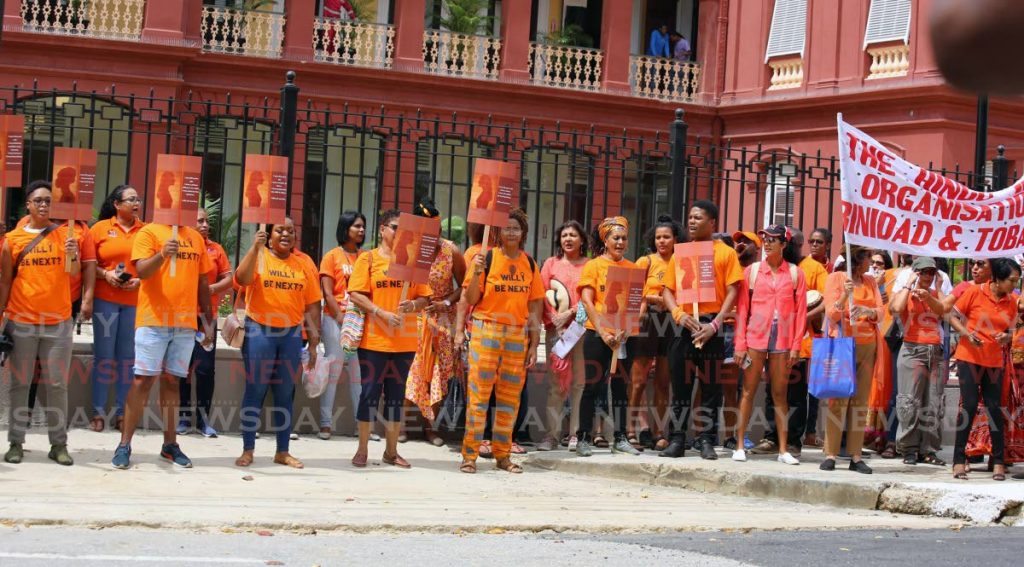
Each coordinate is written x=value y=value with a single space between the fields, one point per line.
x=886 y=496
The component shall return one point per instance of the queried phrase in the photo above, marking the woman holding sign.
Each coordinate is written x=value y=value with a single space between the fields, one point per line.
x=280 y=298
x=856 y=304
x=35 y=297
x=389 y=341
x=771 y=320
x=601 y=343
x=506 y=290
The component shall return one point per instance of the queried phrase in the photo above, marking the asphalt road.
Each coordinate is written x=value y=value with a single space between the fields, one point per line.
x=74 y=546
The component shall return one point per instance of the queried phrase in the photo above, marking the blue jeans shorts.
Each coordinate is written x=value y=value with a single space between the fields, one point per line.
x=163 y=349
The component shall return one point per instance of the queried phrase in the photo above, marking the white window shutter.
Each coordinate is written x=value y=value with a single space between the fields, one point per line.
x=789 y=29
x=888 y=20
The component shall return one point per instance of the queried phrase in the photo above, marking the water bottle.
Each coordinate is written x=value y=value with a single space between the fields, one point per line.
x=305 y=356
x=200 y=337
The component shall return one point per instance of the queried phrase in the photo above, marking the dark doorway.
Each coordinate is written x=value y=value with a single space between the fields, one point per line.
x=588 y=18
x=659 y=13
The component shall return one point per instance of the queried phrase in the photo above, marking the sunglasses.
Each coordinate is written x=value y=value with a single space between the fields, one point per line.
x=878 y=262
x=816 y=241
x=393 y=226
x=772 y=240
x=928 y=271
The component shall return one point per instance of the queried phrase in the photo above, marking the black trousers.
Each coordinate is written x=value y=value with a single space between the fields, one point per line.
x=797 y=399
x=597 y=360
x=202 y=374
x=688 y=366
x=990 y=380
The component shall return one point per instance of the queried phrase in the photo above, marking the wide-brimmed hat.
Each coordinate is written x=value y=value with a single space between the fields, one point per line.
x=557 y=296
x=814 y=298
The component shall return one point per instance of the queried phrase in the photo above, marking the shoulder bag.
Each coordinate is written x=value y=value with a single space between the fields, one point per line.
x=354 y=320
x=833 y=370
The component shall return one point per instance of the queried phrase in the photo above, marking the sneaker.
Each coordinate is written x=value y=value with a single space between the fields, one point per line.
x=374 y=437
x=325 y=433
x=257 y=434
x=59 y=454
x=573 y=443
x=15 y=454
x=293 y=436
x=208 y=432
x=172 y=452
x=621 y=445
x=547 y=444
x=583 y=449
x=184 y=427
x=861 y=467
x=788 y=459
x=828 y=465
x=764 y=447
x=122 y=457
x=747 y=443
x=565 y=441
x=730 y=444
x=739 y=455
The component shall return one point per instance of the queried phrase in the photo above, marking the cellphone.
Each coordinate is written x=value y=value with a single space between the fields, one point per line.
x=123 y=277
x=747 y=361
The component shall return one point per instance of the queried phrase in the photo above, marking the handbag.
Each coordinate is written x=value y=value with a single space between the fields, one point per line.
x=316 y=379
x=894 y=336
x=833 y=369
x=353 y=322
x=233 y=331
x=453 y=408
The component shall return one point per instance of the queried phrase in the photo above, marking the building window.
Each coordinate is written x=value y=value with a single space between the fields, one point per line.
x=789 y=29
x=557 y=186
x=444 y=171
x=888 y=20
x=780 y=195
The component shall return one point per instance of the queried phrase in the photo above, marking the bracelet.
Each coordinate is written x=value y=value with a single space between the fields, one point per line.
x=714 y=324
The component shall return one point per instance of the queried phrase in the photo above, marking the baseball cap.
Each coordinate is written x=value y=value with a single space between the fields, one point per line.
x=749 y=236
x=776 y=230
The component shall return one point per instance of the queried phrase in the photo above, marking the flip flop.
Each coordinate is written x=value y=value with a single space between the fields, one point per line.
x=245 y=460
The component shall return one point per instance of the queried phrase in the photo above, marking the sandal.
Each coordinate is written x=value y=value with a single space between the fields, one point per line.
x=960 y=474
x=600 y=442
x=395 y=460
x=359 y=460
x=661 y=443
x=1000 y=475
x=633 y=440
x=96 y=424
x=517 y=449
x=507 y=465
x=288 y=460
x=119 y=423
x=485 y=450
x=468 y=467
x=245 y=460
x=931 y=459
x=889 y=452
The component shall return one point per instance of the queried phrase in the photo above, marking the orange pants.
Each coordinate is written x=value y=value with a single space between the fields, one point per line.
x=497 y=361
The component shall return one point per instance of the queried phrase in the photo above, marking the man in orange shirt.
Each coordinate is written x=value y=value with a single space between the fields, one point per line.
x=165 y=328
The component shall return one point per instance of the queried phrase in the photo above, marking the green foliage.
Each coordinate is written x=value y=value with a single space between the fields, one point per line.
x=253 y=4
x=467 y=17
x=221 y=225
x=571 y=35
x=363 y=8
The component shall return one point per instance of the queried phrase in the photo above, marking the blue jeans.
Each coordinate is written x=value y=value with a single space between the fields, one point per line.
x=113 y=327
x=273 y=362
x=330 y=334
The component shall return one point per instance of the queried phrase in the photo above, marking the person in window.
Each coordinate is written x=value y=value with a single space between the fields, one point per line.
x=771 y=321
x=117 y=294
x=680 y=47
x=659 y=45
x=37 y=303
x=281 y=299
x=989 y=313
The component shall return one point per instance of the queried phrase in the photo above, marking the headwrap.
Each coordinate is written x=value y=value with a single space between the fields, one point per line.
x=609 y=223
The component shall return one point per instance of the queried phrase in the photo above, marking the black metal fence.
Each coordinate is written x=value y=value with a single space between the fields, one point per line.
x=372 y=158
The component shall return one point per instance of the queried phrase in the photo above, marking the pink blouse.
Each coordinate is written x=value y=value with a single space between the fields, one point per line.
x=774 y=298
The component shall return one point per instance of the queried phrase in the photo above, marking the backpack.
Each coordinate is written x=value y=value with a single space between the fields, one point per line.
x=489 y=259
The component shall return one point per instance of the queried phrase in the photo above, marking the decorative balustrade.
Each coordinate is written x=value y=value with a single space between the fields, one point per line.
x=889 y=61
x=108 y=19
x=565 y=66
x=663 y=78
x=354 y=43
x=786 y=73
x=448 y=53
x=242 y=32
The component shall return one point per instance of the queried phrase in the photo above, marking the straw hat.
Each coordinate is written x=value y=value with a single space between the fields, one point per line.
x=814 y=298
x=557 y=296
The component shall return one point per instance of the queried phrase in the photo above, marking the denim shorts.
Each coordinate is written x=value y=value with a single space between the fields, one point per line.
x=163 y=349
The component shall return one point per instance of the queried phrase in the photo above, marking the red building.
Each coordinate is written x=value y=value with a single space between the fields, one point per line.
x=395 y=104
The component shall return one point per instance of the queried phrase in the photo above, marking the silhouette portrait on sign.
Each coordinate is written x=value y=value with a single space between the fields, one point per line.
x=66 y=178
x=253 y=196
x=164 y=197
x=487 y=194
x=690 y=271
x=402 y=245
x=615 y=299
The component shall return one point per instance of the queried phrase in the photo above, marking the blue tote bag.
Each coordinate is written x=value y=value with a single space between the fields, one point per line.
x=833 y=369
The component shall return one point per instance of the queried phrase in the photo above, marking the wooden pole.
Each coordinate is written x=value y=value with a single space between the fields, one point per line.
x=485 y=244
x=174 y=263
x=71 y=234
x=262 y=266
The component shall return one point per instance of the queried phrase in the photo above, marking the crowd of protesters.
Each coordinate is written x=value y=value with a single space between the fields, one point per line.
x=476 y=326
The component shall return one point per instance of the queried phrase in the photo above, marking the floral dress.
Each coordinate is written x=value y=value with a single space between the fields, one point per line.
x=435 y=362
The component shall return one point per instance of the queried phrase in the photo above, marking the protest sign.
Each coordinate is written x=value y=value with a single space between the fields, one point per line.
x=74 y=181
x=12 y=142
x=415 y=248
x=624 y=294
x=176 y=190
x=891 y=204
x=695 y=272
x=265 y=190
x=495 y=192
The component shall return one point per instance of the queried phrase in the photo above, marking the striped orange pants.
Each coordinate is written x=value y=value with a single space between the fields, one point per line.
x=497 y=362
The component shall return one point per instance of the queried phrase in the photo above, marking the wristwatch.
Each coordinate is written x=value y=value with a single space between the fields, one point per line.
x=447 y=302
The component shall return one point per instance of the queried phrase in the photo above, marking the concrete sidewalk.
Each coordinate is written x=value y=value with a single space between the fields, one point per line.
x=331 y=495
x=895 y=487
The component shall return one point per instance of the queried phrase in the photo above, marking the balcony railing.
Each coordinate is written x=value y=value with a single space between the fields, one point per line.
x=109 y=19
x=354 y=43
x=663 y=78
x=786 y=73
x=447 y=53
x=566 y=67
x=889 y=61
x=243 y=32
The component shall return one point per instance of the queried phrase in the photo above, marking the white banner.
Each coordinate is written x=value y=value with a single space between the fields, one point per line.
x=892 y=204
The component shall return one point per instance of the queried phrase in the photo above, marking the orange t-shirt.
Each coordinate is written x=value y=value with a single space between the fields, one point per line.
x=41 y=290
x=86 y=250
x=221 y=266
x=369 y=278
x=727 y=272
x=509 y=289
x=166 y=301
x=864 y=295
x=657 y=270
x=815 y=275
x=278 y=297
x=113 y=247
x=921 y=324
x=986 y=317
x=595 y=276
x=337 y=265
